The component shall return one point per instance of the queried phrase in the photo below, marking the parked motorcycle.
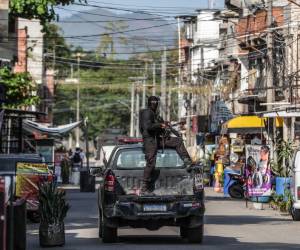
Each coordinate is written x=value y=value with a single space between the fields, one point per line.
x=238 y=186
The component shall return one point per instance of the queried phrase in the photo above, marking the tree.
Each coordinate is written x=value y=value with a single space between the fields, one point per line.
x=104 y=105
x=107 y=44
x=20 y=88
x=56 y=43
x=39 y=9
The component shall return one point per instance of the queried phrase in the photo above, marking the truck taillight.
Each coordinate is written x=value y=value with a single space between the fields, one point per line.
x=298 y=193
x=110 y=181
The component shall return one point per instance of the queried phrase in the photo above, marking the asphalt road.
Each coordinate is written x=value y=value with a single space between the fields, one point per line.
x=228 y=225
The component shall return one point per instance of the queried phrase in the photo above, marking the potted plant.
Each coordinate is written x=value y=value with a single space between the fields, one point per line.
x=53 y=210
x=282 y=202
x=282 y=168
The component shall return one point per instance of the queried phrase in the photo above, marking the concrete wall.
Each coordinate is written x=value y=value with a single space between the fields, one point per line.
x=207 y=29
x=206 y=38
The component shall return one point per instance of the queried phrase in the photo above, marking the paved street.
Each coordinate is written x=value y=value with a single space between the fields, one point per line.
x=229 y=225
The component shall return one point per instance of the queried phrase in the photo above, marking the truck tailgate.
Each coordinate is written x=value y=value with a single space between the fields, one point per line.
x=170 y=182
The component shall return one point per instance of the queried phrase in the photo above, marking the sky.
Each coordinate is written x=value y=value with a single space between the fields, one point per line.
x=173 y=6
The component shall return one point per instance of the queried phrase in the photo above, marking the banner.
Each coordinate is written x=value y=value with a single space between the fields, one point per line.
x=29 y=175
x=258 y=170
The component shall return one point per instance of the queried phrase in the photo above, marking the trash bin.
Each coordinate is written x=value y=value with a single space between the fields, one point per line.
x=19 y=225
x=227 y=181
x=87 y=182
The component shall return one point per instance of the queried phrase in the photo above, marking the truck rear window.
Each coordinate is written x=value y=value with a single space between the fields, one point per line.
x=135 y=159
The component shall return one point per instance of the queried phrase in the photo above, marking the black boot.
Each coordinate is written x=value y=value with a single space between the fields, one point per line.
x=154 y=176
x=145 y=191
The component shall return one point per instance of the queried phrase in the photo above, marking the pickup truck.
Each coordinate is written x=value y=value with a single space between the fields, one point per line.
x=178 y=198
x=295 y=187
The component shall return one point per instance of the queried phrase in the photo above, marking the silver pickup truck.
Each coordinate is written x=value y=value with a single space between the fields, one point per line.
x=178 y=199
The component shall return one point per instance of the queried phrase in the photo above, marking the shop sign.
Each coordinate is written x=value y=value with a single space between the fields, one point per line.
x=258 y=170
x=29 y=175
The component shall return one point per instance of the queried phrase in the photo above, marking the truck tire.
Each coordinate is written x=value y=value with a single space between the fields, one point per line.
x=295 y=214
x=183 y=232
x=100 y=224
x=109 y=234
x=195 y=235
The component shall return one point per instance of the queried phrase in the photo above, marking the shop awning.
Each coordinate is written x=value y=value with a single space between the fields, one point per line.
x=247 y=125
x=55 y=131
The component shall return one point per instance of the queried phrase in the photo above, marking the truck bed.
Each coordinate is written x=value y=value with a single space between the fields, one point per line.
x=171 y=182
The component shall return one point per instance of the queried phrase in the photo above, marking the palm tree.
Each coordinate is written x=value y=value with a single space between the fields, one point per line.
x=107 y=43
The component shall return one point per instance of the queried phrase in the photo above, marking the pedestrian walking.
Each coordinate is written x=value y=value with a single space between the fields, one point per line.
x=77 y=163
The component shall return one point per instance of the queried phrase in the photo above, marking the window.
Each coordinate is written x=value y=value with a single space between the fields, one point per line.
x=135 y=159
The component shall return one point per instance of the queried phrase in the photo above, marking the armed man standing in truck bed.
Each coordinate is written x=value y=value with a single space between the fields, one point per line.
x=152 y=128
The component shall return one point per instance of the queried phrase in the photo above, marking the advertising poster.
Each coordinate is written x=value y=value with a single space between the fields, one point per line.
x=2 y=213
x=29 y=175
x=258 y=170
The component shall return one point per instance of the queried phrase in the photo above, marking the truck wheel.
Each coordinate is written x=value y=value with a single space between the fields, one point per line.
x=183 y=232
x=109 y=234
x=296 y=214
x=100 y=225
x=195 y=235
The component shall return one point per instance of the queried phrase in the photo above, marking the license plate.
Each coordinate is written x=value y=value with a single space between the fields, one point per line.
x=198 y=181
x=155 y=208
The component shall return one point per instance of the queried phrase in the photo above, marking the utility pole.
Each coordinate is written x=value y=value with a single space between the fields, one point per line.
x=137 y=111
x=132 y=110
x=70 y=137
x=163 y=83
x=169 y=103
x=154 y=79
x=202 y=106
x=144 y=85
x=54 y=59
x=78 y=99
x=180 y=96
x=144 y=95
x=269 y=79
x=269 y=72
x=86 y=125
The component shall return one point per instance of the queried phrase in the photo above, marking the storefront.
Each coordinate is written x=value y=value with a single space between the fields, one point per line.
x=240 y=138
x=246 y=130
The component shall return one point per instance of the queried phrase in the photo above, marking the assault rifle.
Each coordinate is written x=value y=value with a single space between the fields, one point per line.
x=169 y=128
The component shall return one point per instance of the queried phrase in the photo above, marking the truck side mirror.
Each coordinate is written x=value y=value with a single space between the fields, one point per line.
x=297 y=161
x=96 y=171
